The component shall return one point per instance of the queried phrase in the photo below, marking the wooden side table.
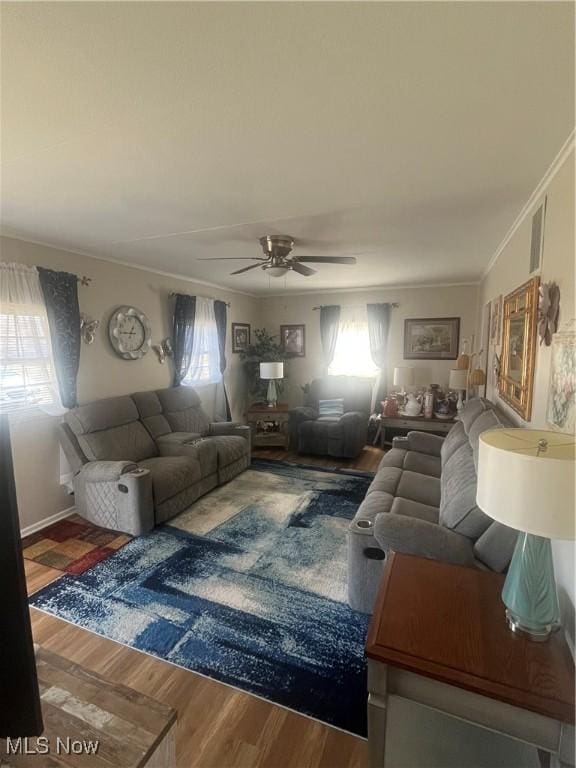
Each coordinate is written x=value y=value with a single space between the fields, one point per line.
x=439 y=638
x=408 y=423
x=269 y=425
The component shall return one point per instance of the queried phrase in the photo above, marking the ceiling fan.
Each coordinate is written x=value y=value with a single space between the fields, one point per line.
x=277 y=260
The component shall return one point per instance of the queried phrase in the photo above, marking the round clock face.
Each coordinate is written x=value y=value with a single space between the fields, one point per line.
x=129 y=332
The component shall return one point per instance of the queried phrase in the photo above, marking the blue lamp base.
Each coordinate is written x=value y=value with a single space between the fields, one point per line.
x=529 y=592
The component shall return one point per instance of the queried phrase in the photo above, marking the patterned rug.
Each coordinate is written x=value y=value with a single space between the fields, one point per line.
x=72 y=545
x=248 y=587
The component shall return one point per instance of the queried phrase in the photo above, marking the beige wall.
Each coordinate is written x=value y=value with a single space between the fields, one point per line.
x=509 y=272
x=456 y=301
x=102 y=373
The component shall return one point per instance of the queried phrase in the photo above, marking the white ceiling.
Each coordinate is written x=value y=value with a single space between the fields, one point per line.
x=408 y=134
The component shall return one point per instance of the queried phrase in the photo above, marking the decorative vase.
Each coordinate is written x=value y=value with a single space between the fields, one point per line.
x=390 y=406
x=413 y=406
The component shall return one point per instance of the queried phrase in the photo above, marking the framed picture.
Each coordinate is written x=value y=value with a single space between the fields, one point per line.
x=293 y=340
x=431 y=338
x=496 y=321
x=561 y=410
x=240 y=337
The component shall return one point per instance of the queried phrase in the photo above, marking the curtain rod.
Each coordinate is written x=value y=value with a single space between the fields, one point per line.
x=195 y=295
x=83 y=280
x=350 y=306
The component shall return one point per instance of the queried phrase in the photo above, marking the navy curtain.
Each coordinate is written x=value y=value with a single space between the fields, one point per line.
x=60 y=290
x=329 y=322
x=378 y=329
x=220 y=313
x=183 y=335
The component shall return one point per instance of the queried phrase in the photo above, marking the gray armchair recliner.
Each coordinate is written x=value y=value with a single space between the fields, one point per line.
x=342 y=437
x=139 y=460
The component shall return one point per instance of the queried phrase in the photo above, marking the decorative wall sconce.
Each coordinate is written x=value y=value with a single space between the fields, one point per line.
x=88 y=328
x=163 y=350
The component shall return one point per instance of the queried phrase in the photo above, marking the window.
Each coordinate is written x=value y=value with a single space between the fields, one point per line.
x=27 y=374
x=205 y=363
x=352 y=355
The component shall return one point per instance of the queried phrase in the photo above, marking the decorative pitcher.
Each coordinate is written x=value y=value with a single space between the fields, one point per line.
x=413 y=406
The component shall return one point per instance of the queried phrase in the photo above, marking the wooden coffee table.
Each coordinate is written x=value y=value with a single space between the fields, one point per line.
x=439 y=638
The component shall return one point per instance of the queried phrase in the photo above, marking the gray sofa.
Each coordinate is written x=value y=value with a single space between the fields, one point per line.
x=141 y=459
x=422 y=501
x=341 y=437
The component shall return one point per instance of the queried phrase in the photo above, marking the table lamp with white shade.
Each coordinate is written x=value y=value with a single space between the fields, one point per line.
x=526 y=481
x=404 y=377
x=271 y=371
x=458 y=381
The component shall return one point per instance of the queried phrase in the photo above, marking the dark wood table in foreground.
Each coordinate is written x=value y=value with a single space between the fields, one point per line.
x=439 y=638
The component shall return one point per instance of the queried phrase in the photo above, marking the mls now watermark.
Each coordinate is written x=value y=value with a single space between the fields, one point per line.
x=42 y=745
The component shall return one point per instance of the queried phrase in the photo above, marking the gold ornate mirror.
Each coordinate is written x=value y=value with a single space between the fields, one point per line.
x=520 y=318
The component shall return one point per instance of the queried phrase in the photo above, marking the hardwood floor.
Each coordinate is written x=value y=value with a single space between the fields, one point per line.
x=218 y=726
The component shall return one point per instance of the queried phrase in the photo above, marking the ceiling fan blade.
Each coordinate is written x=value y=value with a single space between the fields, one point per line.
x=301 y=269
x=245 y=269
x=327 y=259
x=232 y=258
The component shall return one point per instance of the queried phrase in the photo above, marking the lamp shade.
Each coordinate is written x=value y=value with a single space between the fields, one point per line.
x=271 y=370
x=526 y=480
x=458 y=379
x=404 y=376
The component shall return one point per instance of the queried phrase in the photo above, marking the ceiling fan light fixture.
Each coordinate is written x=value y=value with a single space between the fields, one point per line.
x=276 y=271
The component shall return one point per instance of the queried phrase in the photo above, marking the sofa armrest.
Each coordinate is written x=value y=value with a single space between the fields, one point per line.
x=223 y=428
x=117 y=495
x=423 y=442
x=413 y=536
x=232 y=428
x=353 y=417
x=106 y=471
x=302 y=413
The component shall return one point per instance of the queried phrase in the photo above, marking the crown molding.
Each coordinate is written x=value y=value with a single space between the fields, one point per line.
x=173 y=275
x=541 y=187
x=371 y=288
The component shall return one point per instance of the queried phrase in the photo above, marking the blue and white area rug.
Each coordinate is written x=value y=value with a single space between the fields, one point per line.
x=248 y=587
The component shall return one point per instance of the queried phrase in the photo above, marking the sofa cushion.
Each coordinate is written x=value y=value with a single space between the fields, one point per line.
x=415 y=509
x=454 y=439
x=102 y=414
x=458 y=509
x=393 y=458
x=178 y=398
x=150 y=411
x=495 y=547
x=417 y=487
x=487 y=420
x=374 y=504
x=172 y=475
x=423 y=463
x=473 y=408
x=129 y=442
x=109 y=430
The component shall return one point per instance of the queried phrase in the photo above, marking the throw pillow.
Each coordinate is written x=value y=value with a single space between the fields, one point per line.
x=334 y=408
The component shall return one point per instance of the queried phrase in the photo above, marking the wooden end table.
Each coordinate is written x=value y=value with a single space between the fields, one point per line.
x=408 y=423
x=439 y=638
x=269 y=425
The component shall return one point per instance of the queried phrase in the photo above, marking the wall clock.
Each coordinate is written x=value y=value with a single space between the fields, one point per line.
x=129 y=332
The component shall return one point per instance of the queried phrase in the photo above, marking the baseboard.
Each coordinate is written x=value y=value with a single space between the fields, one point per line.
x=46 y=521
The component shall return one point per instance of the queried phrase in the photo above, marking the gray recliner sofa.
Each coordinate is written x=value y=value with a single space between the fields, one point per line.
x=342 y=437
x=422 y=501
x=140 y=459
